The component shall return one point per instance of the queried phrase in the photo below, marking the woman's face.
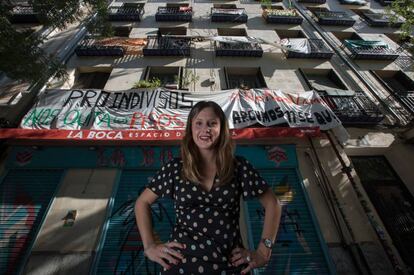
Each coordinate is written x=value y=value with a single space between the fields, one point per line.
x=206 y=129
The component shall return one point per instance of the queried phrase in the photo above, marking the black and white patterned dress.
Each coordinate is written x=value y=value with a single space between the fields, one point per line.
x=207 y=222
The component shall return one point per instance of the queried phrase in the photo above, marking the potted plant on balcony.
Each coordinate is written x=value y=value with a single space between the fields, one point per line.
x=276 y=14
x=152 y=83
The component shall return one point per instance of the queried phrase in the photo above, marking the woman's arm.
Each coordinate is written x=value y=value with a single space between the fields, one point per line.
x=261 y=256
x=273 y=212
x=160 y=253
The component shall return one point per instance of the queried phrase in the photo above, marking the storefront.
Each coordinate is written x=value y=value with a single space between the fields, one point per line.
x=33 y=177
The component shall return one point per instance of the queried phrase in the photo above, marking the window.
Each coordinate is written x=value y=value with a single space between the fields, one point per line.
x=290 y=34
x=341 y=36
x=225 y=6
x=231 y=32
x=392 y=200
x=244 y=78
x=170 y=77
x=395 y=81
x=400 y=85
x=173 y=30
x=94 y=78
x=322 y=79
x=122 y=31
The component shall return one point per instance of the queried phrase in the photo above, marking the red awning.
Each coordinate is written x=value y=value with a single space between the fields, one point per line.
x=147 y=135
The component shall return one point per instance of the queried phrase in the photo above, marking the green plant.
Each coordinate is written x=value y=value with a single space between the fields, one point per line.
x=266 y=3
x=152 y=83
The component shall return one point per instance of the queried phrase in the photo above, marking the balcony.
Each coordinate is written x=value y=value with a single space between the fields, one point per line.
x=167 y=46
x=112 y=46
x=182 y=14
x=398 y=84
x=352 y=107
x=23 y=14
x=126 y=12
x=98 y=47
x=316 y=48
x=235 y=48
x=333 y=18
x=313 y=1
x=236 y=15
x=353 y=2
x=380 y=20
x=362 y=49
x=385 y=2
x=278 y=15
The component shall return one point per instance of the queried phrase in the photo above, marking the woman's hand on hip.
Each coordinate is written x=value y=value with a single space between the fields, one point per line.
x=253 y=259
x=165 y=254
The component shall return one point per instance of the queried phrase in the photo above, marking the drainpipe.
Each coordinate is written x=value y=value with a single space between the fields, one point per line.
x=346 y=233
x=368 y=84
x=368 y=211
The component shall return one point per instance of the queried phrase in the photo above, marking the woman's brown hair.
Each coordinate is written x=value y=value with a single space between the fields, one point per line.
x=224 y=147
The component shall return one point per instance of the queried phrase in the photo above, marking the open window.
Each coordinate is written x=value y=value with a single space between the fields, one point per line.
x=231 y=32
x=290 y=33
x=395 y=81
x=322 y=80
x=244 y=78
x=91 y=78
x=173 y=30
x=392 y=200
x=122 y=31
x=399 y=84
x=342 y=36
x=168 y=77
x=351 y=107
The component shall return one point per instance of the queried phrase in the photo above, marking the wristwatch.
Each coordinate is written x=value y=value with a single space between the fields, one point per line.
x=268 y=243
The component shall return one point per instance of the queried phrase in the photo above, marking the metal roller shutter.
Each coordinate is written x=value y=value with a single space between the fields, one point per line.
x=299 y=248
x=25 y=197
x=122 y=249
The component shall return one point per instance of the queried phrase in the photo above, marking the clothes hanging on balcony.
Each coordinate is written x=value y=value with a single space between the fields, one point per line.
x=365 y=44
x=301 y=45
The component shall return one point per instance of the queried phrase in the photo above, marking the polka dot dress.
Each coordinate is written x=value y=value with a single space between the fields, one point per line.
x=207 y=222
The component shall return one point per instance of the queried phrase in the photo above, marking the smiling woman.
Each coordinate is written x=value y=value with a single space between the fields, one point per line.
x=206 y=184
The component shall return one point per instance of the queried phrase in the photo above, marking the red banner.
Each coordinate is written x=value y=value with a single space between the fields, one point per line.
x=153 y=135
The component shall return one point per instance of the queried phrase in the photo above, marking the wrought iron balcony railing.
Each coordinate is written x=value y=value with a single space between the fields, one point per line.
x=174 y=14
x=23 y=14
x=385 y=2
x=336 y=18
x=238 y=49
x=126 y=12
x=362 y=49
x=380 y=20
x=313 y=1
x=318 y=49
x=238 y=15
x=278 y=15
x=353 y=2
x=407 y=99
x=95 y=47
x=167 y=46
x=356 y=109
